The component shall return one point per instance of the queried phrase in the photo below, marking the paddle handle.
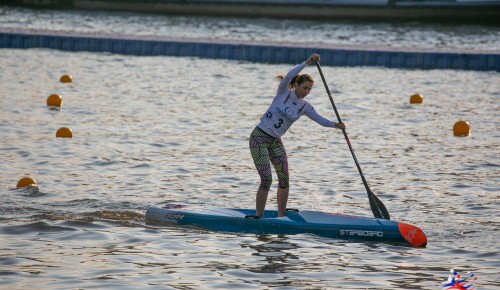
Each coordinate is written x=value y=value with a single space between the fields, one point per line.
x=343 y=130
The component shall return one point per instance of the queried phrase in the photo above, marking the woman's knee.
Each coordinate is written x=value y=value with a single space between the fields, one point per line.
x=283 y=184
x=265 y=184
x=283 y=180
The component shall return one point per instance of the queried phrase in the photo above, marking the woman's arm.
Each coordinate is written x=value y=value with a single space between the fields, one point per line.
x=313 y=115
x=285 y=82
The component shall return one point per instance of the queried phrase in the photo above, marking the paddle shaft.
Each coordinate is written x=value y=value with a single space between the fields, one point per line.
x=378 y=208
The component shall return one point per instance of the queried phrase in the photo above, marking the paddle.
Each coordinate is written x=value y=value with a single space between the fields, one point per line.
x=378 y=208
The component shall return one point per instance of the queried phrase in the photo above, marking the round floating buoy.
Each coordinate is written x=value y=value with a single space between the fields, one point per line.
x=416 y=99
x=64 y=133
x=461 y=129
x=66 y=79
x=54 y=101
x=25 y=181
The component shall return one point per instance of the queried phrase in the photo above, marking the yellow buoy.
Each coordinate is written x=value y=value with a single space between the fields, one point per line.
x=66 y=79
x=54 y=101
x=25 y=181
x=416 y=99
x=461 y=129
x=64 y=133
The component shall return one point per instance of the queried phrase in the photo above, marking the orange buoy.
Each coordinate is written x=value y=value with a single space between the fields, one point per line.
x=66 y=79
x=25 y=181
x=64 y=133
x=416 y=99
x=461 y=129
x=54 y=101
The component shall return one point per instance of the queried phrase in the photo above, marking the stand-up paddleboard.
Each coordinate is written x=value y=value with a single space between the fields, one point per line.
x=328 y=225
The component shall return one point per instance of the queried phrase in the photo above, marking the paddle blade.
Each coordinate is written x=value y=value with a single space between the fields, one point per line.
x=378 y=208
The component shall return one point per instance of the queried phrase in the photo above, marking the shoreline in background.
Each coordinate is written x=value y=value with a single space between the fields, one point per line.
x=463 y=11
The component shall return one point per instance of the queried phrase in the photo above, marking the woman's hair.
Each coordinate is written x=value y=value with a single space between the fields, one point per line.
x=298 y=79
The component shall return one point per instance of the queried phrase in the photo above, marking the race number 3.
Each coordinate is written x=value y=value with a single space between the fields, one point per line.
x=279 y=124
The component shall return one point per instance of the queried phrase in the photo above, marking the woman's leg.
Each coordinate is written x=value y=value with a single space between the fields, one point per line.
x=260 y=202
x=259 y=148
x=282 y=200
x=280 y=163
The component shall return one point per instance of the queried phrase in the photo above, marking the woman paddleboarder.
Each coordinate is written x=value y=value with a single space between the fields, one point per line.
x=265 y=142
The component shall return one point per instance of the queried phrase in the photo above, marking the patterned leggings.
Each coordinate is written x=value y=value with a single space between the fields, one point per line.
x=265 y=150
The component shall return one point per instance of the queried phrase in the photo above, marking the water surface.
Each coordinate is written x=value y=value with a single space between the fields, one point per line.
x=150 y=130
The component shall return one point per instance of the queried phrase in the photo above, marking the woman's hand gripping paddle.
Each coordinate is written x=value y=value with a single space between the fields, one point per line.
x=378 y=208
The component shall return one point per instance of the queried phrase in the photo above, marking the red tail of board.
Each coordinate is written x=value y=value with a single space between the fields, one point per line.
x=413 y=235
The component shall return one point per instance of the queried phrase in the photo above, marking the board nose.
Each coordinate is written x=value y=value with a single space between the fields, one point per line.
x=413 y=235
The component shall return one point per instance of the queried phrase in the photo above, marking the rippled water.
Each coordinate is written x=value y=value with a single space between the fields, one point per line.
x=421 y=35
x=147 y=130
